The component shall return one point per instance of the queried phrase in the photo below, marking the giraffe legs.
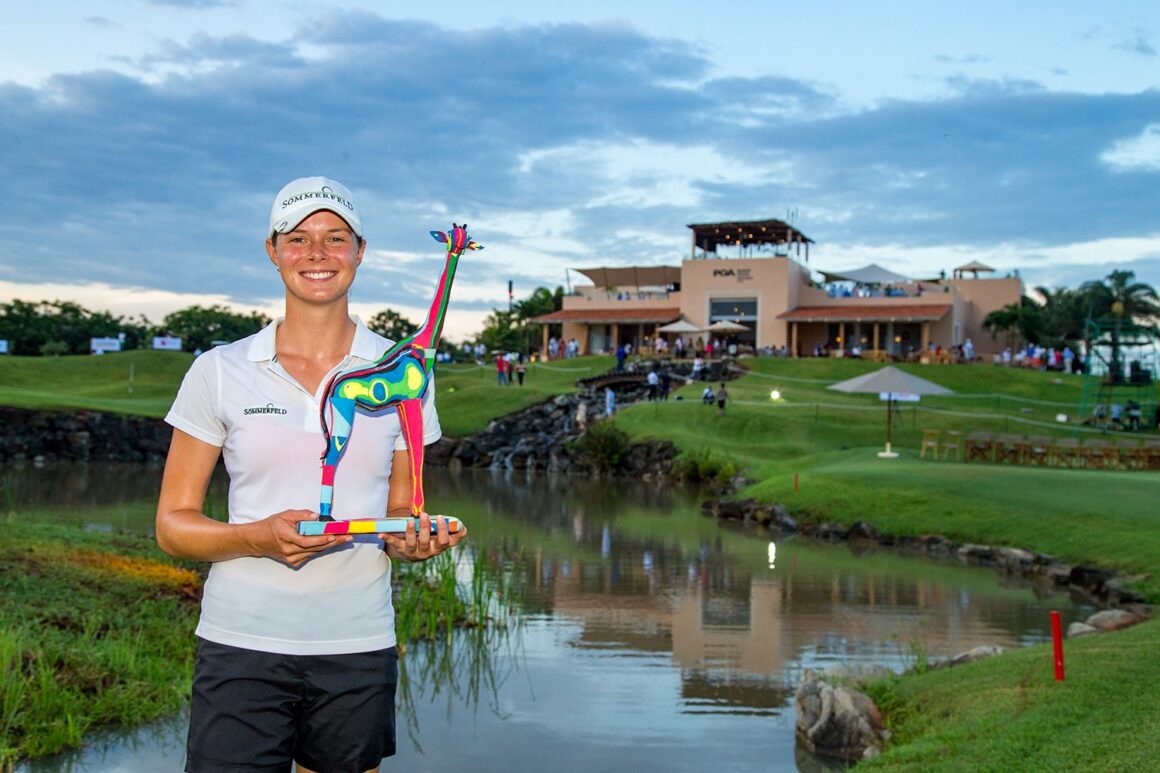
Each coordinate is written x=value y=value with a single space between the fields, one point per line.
x=341 y=421
x=411 y=419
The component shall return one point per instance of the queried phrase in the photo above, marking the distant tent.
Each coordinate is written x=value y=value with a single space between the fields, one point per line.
x=872 y=274
x=680 y=326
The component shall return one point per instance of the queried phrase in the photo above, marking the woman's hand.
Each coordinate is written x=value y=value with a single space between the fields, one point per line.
x=277 y=537
x=420 y=544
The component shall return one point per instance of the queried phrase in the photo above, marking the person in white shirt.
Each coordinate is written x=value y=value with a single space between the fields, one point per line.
x=296 y=643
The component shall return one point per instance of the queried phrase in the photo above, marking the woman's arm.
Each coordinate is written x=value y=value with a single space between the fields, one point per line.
x=414 y=545
x=184 y=531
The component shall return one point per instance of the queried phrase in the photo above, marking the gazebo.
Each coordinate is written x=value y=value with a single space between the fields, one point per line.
x=974 y=268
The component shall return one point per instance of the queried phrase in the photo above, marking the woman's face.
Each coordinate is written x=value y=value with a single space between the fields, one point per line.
x=318 y=259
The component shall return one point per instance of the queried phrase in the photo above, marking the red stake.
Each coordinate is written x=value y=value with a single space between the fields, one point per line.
x=795 y=482
x=1057 y=638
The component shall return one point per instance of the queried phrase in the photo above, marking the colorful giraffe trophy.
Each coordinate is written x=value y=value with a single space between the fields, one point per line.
x=397 y=380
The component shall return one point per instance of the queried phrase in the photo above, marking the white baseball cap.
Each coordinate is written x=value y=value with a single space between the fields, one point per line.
x=303 y=197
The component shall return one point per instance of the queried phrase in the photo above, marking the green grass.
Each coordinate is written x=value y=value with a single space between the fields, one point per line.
x=94 y=629
x=468 y=395
x=1009 y=713
x=829 y=441
x=94 y=383
x=97 y=628
x=1004 y=713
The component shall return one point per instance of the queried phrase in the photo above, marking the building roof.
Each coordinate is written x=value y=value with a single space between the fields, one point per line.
x=707 y=236
x=866 y=313
x=633 y=276
x=608 y=316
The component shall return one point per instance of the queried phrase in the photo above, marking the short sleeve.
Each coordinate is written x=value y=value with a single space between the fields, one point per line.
x=431 y=429
x=195 y=410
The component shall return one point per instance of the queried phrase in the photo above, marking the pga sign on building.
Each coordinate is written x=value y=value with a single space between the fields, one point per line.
x=167 y=343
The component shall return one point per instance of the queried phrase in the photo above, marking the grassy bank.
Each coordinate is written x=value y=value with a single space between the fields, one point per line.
x=998 y=714
x=1009 y=713
x=97 y=628
x=829 y=440
x=94 y=629
x=137 y=382
x=145 y=382
x=469 y=396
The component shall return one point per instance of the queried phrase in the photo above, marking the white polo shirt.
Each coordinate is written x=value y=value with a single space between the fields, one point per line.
x=239 y=398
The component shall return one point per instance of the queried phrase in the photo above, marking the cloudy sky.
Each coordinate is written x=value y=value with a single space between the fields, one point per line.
x=142 y=141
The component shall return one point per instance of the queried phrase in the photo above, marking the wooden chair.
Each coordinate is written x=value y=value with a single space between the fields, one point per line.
x=980 y=446
x=930 y=438
x=1037 y=450
x=1066 y=453
x=1131 y=454
x=1095 y=453
x=1009 y=449
x=953 y=443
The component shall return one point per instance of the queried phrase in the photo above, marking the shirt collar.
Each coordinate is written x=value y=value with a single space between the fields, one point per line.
x=366 y=345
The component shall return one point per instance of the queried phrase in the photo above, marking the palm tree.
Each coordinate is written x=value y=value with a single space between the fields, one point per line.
x=1064 y=315
x=1117 y=296
x=1024 y=320
x=1122 y=307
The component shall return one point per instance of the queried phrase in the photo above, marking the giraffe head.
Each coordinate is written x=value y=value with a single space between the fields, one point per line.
x=456 y=240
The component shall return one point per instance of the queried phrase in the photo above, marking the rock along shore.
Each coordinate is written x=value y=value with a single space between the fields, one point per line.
x=80 y=436
x=1101 y=585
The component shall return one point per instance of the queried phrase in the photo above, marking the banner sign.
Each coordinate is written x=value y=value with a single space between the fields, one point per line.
x=3 y=346
x=898 y=397
x=102 y=345
x=168 y=343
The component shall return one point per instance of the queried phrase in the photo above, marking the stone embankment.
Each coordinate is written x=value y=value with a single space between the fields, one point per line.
x=835 y=719
x=80 y=436
x=540 y=438
x=1101 y=585
x=543 y=438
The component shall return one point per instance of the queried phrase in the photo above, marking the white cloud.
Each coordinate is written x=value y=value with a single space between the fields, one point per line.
x=124 y=301
x=642 y=173
x=1038 y=265
x=1138 y=154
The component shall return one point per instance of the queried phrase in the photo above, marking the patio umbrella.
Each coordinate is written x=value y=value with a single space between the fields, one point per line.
x=680 y=326
x=890 y=381
x=725 y=326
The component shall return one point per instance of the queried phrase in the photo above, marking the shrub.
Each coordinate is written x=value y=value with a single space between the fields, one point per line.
x=706 y=466
x=53 y=349
x=604 y=445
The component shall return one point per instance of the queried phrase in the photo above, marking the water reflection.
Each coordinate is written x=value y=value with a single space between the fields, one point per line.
x=653 y=637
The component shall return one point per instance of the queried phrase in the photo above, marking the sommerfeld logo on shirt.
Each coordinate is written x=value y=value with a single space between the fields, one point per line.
x=267 y=408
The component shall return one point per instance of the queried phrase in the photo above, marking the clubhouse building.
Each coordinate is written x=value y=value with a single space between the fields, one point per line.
x=766 y=298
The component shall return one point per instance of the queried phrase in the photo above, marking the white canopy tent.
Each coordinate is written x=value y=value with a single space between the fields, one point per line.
x=727 y=326
x=680 y=326
x=872 y=274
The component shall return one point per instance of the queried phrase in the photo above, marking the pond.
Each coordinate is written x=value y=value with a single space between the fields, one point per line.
x=652 y=637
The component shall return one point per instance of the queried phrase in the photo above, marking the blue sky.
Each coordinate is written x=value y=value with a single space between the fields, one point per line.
x=142 y=140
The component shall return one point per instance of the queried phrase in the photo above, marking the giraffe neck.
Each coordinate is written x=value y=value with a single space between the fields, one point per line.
x=427 y=336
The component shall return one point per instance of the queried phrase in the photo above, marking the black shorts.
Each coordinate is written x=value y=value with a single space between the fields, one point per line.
x=258 y=711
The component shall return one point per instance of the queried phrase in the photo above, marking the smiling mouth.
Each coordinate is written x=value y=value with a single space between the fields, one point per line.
x=318 y=274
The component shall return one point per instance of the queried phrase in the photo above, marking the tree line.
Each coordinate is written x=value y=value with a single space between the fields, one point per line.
x=48 y=328
x=1063 y=317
